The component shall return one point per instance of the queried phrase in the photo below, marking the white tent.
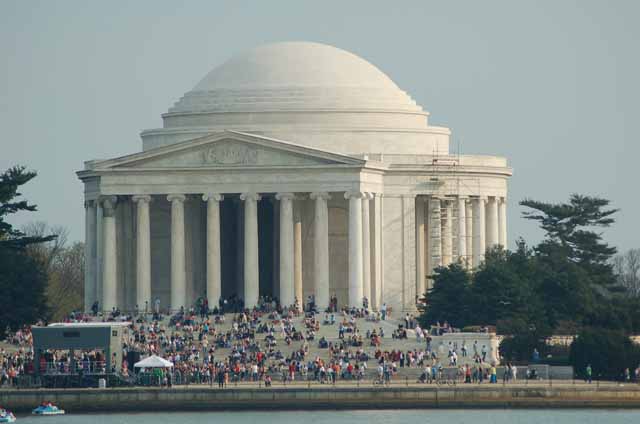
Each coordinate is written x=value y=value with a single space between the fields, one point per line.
x=153 y=361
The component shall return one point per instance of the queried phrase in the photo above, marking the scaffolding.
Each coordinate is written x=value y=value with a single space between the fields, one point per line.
x=445 y=170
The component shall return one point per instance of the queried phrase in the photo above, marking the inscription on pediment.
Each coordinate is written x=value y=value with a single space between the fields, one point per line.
x=230 y=154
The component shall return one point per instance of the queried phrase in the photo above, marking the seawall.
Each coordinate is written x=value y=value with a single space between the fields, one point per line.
x=327 y=397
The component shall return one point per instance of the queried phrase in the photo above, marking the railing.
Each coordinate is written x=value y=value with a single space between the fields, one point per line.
x=198 y=379
x=68 y=368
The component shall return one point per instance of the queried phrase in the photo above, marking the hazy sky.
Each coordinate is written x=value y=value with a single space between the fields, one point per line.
x=552 y=85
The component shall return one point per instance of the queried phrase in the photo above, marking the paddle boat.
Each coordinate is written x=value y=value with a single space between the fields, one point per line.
x=48 y=408
x=6 y=416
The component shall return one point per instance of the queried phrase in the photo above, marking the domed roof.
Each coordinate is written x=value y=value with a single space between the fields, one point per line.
x=295 y=64
x=292 y=76
x=305 y=93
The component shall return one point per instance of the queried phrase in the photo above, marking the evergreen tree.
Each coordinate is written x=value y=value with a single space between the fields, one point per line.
x=22 y=278
x=498 y=291
x=570 y=235
x=23 y=282
x=10 y=182
x=448 y=300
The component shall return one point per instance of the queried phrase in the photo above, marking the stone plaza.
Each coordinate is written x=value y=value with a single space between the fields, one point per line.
x=294 y=170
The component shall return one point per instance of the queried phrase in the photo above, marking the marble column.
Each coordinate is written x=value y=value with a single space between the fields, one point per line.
x=251 y=275
x=109 y=268
x=90 y=233
x=492 y=234
x=99 y=254
x=239 y=262
x=143 y=252
x=428 y=260
x=376 y=287
x=366 y=247
x=287 y=289
x=420 y=247
x=355 y=248
x=478 y=230
x=502 y=222
x=447 y=233
x=214 y=279
x=469 y=232
x=435 y=232
x=178 y=270
x=321 y=250
x=297 y=254
x=462 y=229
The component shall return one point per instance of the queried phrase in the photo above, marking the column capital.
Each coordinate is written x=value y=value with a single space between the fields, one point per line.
x=176 y=198
x=90 y=203
x=368 y=195
x=320 y=195
x=353 y=194
x=462 y=197
x=214 y=197
x=109 y=202
x=285 y=196
x=250 y=196
x=481 y=198
x=142 y=198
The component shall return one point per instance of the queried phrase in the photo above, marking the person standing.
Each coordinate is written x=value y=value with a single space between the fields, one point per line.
x=493 y=375
x=589 y=372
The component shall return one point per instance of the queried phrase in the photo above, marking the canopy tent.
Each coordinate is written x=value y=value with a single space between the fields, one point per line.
x=153 y=361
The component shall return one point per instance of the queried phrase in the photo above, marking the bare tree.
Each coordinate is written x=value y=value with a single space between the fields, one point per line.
x=64 y=266
x=46 y=252
x=627 y=268
x=66 y=281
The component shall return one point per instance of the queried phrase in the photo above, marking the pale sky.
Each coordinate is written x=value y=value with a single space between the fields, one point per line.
x=552 y=85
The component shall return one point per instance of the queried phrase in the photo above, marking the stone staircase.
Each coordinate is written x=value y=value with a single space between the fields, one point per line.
x=330 y=333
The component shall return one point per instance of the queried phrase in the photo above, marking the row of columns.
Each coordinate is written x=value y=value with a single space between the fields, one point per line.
x=481 y=224
x=104 y=243
x=456 y=228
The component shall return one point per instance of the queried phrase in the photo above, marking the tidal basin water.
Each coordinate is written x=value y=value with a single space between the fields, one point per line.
x=457 y=416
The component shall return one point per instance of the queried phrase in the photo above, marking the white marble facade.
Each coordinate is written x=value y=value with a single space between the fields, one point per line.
x=295 y=169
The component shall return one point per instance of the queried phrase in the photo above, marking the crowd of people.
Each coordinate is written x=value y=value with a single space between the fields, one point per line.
x=229 y=344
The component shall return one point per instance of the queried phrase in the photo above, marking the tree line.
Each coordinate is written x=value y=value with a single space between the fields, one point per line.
x=41 y=276
x=571 y=283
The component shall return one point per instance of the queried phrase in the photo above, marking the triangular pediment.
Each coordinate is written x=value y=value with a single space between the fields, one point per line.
x=230 y=149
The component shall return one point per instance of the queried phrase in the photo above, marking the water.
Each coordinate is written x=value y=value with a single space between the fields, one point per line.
x=468 y=416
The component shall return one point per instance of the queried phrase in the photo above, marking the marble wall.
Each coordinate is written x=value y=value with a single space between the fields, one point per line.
x=398 y=236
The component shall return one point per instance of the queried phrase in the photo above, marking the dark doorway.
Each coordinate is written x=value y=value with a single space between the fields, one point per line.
x=265 y=245
x=230 y=213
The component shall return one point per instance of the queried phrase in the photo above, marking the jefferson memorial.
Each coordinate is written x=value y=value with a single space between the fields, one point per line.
x=293 y=170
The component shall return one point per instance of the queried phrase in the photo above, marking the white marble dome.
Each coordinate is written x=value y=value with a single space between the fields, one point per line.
x=295 y=76
x=296 y=64
x=307 y=93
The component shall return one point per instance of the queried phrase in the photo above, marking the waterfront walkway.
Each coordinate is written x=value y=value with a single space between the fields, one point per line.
x=345 y=395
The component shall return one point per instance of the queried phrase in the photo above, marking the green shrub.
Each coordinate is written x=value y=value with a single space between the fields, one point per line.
x=608 y=351
x=521 y=346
